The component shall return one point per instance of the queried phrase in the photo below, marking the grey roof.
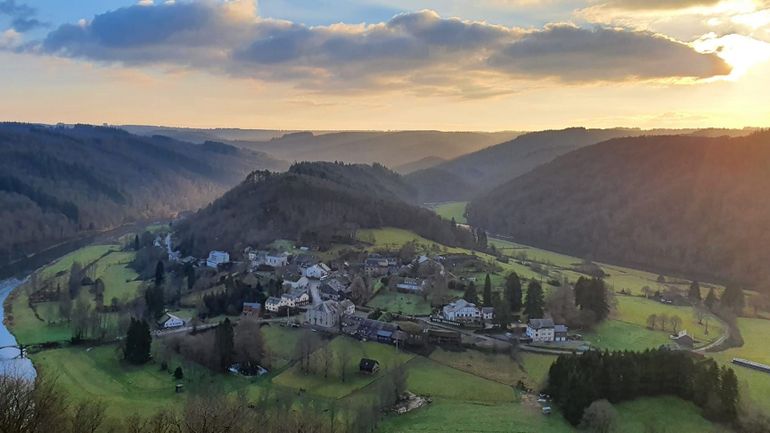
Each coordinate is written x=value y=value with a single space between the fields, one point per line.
x=540 y=323
x=458 y=305
x=255 y=305
x=562 y=329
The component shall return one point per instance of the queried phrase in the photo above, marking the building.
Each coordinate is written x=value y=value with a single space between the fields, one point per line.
x=326 y=314
x=488 y=313
x=560 y=332
x=334 y=288
x=298 y=283
x=277 y=260
x=273 y=304
x=348 y=307
x=217 y=258
x=252 y=309
x=168 y=321
x=318 y=271
x=261 y=257
x=683 y=339
x=411 y=285
x=368 y=366
x=541 y=330
x=461 y=311
x=296 y=297
x=376 y=265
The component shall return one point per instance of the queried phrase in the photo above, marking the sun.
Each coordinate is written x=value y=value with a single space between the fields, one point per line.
x=740 y=52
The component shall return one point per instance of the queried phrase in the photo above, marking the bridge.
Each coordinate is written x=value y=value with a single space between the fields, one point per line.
x=20 y=348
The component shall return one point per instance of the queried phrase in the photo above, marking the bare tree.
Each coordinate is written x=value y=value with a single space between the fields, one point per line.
x=652 y=321
x=676 y=323
x=663 y=319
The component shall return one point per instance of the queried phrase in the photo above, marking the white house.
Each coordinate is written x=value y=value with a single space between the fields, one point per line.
x=318 y=271
x=488 y=313
x=170 y=321
x=461 y=311
x=274 y=304
x=277 y=260
x=296 y=297
x=541 y=330
x=217 y=258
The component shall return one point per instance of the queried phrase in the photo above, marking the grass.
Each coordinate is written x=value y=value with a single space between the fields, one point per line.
x=668 y=414
x=617 y=335
x=333 y=386
x=428 y=377
x=496 y=367
x=636 y=310
x=404 y=303
x=109 y=264
x=757 y=384
x=536 y=367
x=445 y=415
x=455 y=209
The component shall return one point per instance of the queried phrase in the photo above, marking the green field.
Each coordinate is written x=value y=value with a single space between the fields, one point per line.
x=496 y=367
x=427 y=377
x=404 y=303
x=755 y=333
x=454 y=209
x=617 y=335
x=333 y=386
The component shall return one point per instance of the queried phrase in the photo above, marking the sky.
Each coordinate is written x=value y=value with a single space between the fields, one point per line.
x=387 y=64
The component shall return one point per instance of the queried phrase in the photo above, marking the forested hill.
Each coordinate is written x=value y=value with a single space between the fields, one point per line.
x=466 y=176
x=319 y=203
x=58 y=182
x=684 y=204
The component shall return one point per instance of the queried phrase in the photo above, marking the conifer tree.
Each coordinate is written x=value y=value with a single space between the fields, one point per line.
x=487 y=291
x=513 y=292
x=694 y=293
x=533 y=305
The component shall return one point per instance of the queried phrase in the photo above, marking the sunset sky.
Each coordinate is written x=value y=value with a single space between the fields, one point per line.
x=387 y=64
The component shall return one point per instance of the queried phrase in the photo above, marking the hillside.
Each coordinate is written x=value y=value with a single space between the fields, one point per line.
x=468 y=175
x=319 y=203
x=695 y=205
x=58 y=182
x=392 y=149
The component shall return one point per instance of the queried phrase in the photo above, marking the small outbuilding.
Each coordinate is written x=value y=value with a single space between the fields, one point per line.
x=368 y=366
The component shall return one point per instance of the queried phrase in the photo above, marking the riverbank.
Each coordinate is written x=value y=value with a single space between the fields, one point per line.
x=10 y=362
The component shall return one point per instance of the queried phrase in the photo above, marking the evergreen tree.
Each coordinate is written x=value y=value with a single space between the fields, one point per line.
x=591 y=295
x=154 y=299
x=136 y=242
x=178 y=373
x=224 y=344
x=138 y=342
x=487 y=291
x=470 y=294
x=513 y=292
x=534 y=302
x=728 y=394
x=711 y=299
x=734 y=299
x=160 y=273
x=694 y=293
x=189 y=272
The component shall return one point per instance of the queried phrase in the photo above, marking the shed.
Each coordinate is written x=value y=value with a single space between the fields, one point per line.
x=368 y=366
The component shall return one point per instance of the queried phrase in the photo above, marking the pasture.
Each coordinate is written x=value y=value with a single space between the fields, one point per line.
x=403 y=303
x=453 y=209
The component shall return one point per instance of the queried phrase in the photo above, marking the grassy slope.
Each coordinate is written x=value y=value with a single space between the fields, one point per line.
x=454 y=209
x=404 y=303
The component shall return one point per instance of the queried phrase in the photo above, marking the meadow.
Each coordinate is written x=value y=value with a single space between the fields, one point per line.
x=454 y=209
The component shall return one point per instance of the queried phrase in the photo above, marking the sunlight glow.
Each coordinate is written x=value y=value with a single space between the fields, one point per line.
x=740 y=52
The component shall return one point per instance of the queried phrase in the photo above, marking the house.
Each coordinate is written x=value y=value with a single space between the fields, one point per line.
x=252 y=308
x=334 y=288
x=348 y=307
x=376 y=265
x=541 y=330
x=274 y=304
x=461 y=311
x=318 y=271
x=298 y=283
x=326 y=314
x=368 y=366
x=277 y=260
x=683 y=339
x=217 y=258
x=411 y=285
x=304 y=261
x=488 y=313
x=296 y=297
x=168 y=321
x=560 y=332
x=262 y=257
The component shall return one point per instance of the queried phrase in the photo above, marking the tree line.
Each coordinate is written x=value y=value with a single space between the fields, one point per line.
x=575 y=381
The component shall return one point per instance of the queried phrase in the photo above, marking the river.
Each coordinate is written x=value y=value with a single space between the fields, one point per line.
x=9 y=360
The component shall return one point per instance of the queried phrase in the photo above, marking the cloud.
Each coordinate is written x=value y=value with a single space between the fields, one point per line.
x=230 y=38
x=658 y=4
x=604 y=54
x=22 y=16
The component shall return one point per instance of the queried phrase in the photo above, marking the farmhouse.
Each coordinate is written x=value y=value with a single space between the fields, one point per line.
x=376 y=265
x=261 y=257
x=334 y=288
x=683 y=339
x=461 y=311
x=168 y=321
x=292 y=299
x=217 y=258
x=541 y=330
x=560 y=332
x=411 y=285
